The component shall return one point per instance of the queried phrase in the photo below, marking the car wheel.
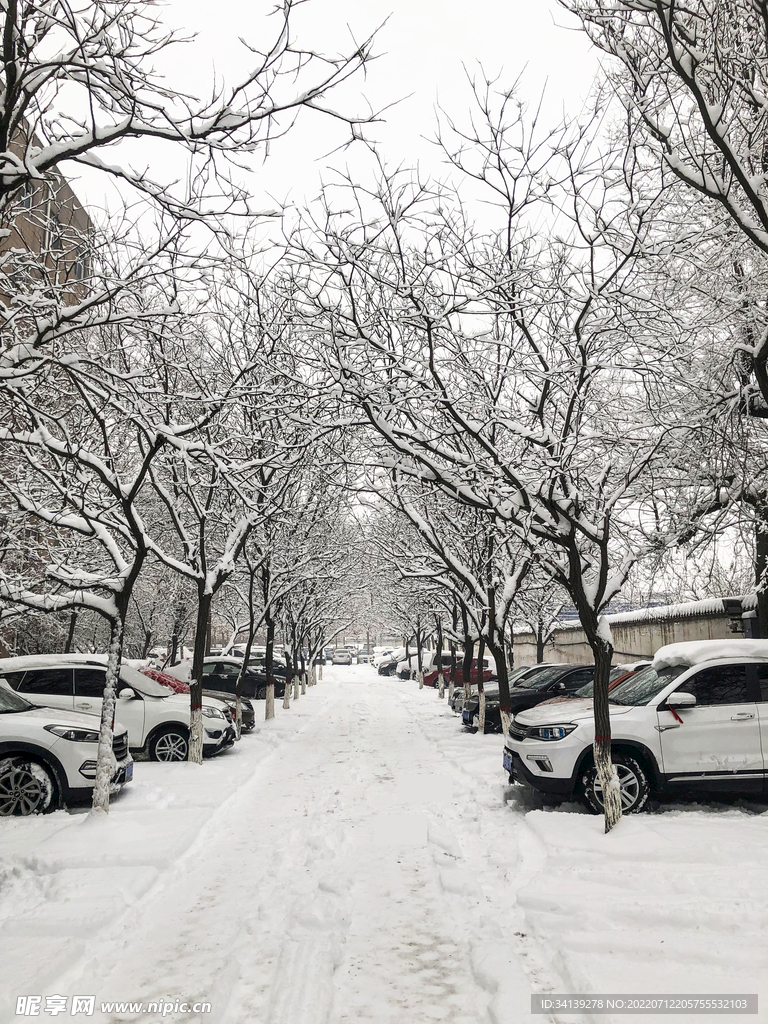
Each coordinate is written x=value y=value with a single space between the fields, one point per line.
x=261 y=694
x=26 y=787
x=170 y=745
x=633 y=780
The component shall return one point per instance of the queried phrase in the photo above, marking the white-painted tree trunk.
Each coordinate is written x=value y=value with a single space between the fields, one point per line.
x=100 y=803
x=481 y=714
x=195 y=754
x=303 y=683
x=450 y=689
x=440 y=685
x=238 y=716
x=269 y=703
x=296 y=687
x=420 y=680
x=287 y=694
x=506 y=721
x=321 y=669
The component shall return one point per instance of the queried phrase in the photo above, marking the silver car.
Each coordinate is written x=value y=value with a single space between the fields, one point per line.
x=342 y=657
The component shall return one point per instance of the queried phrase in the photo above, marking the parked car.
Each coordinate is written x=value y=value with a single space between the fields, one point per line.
x=489 y=671
x=48 y=757
x=246 y=708
x=341 y=656
x=157 y=721
x=618 y=674
x=529 y=690
x=693 y=722
x=387 y=664
x=221 y=674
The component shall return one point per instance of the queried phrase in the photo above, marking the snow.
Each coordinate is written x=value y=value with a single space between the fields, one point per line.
x=695 y=652
x=360 y=858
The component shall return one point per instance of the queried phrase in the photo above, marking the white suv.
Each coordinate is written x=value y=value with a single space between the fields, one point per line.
x=48 y=757
x=694 y=721
x=156 y=719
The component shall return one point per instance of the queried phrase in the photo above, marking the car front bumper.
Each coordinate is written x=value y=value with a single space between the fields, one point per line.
x=544 y=782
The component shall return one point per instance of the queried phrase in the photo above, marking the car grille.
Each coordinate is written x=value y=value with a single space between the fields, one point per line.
x=517 y=732
x=120 y=747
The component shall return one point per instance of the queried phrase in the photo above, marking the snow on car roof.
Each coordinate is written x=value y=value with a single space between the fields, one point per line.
x=695 y=652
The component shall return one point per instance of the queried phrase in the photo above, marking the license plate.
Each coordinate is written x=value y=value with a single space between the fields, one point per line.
x=507 y=762
x=129 y=771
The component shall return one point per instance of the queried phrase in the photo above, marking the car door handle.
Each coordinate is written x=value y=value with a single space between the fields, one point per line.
x=742 y=716
x=663 y=728
x=84 y=705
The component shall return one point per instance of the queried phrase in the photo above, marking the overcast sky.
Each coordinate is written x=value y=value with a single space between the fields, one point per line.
x=423 y=46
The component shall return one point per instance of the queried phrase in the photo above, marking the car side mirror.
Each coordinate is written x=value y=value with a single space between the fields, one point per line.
x=127 y=693
x=681 y=700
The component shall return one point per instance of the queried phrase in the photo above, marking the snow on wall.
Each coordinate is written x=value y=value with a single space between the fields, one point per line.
x=670 y=612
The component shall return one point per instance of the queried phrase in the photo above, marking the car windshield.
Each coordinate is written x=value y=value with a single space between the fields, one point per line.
x=588 y=689
x=542 y=678
x=142 y=684
x=516 y=673
x=643 y=686
x=11 y=702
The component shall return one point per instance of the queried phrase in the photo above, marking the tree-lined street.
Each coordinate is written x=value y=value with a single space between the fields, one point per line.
x=369 y=865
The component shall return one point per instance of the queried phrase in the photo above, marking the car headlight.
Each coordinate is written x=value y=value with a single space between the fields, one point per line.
x=550 y=732
x=210 y=712
x=75 y=735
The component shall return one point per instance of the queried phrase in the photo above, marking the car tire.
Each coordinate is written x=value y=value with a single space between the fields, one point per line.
x=170 y=744
x=634 y=780
x=261 y=694
x=26 y=787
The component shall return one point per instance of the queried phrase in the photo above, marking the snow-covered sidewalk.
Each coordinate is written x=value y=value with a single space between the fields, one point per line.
x=359 y=860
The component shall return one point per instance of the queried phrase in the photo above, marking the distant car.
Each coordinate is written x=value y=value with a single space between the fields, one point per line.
x=363 y=657
x=48 y=757
x=342 y=657
x=528 y=691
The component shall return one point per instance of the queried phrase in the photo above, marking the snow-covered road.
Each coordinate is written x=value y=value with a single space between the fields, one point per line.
x=358 y=860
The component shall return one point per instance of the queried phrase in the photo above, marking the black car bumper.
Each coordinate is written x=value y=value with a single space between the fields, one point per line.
x=522 y=775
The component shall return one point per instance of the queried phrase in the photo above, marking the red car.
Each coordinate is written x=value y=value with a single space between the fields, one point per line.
x=162 y=677
x=430 y=678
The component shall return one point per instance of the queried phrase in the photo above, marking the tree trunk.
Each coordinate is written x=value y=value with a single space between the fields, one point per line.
x=195 y=754
x=288 y=680
x=452 y=676
x=540 y=643
x=439 y=661
x=303 y=673
x=761 y=569
x=70 y=632
x=481 y=686
x=495 y=642
x=469 y=648
x=602 y=650
x=147 y=643
x=100 y=802
x=496 y=647
x=269 y=703
x=419 y=655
